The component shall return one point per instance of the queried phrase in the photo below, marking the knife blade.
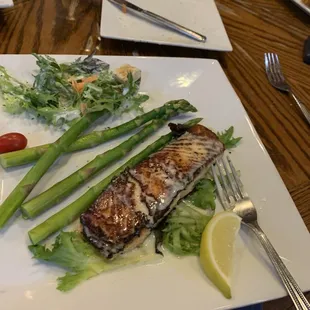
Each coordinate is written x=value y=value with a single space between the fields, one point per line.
x=160 y=20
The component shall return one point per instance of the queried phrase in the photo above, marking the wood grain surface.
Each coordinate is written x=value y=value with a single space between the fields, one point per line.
x=254 y=27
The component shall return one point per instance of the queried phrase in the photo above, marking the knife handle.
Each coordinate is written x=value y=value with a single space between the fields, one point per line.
x=306 y=55
x=172 y=25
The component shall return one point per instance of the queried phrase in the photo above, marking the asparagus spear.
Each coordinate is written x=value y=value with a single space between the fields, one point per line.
x=70 y=213
x=29 y=155
x=25 y=186
x=64 y=188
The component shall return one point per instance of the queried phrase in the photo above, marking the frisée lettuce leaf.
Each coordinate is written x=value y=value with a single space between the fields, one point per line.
x=184 y=226
x=80 y=258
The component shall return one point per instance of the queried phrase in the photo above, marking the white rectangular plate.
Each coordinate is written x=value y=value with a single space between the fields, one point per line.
x=6 y=3
x=199 y=15
x=302 y=6
x=175 y=283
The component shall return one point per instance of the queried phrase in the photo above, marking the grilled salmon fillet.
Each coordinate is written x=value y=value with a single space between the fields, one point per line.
x=135 y=202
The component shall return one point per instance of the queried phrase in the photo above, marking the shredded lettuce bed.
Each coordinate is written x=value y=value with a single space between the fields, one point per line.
x=80 y=258
x=55 y=96
x=184 y=227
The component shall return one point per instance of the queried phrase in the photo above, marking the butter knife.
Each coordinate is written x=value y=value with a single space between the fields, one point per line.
x=160 y=20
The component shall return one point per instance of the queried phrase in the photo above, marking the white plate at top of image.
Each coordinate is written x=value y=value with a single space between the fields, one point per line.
x=301 y=4
x=201 y=16
x=6 y=3
x=174 y=283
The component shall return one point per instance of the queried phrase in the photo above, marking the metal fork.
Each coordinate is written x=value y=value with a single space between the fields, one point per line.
x=233 y=197
x=277 y=80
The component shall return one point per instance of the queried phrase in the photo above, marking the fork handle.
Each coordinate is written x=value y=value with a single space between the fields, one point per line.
x=297 y=296
x=302 y=107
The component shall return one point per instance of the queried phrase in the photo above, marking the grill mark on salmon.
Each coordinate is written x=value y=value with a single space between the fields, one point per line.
x=136 y=201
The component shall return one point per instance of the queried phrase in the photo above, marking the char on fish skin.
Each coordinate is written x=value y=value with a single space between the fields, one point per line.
x=135 y=202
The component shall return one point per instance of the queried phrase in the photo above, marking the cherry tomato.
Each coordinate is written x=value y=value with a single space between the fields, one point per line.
x=12 y=142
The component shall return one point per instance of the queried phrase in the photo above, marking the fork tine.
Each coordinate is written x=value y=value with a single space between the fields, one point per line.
x=237 y=179
x=219 y=189
x=275 y=70
x=269 y=68
x=267 y=57
x=279 y=69
x=227 y=190
x=231 y=181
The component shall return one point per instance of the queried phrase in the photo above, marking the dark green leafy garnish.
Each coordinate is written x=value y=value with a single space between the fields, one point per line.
x=227 y=138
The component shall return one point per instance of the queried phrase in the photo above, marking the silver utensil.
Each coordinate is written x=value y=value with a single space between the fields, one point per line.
x=160 y=20
x=234 y=198
x=277 y=80
x=92 y=46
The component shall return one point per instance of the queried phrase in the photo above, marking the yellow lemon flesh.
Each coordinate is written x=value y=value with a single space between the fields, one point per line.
x=217 y=247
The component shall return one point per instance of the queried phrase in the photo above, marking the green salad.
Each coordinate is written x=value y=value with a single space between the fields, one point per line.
x=63 y=92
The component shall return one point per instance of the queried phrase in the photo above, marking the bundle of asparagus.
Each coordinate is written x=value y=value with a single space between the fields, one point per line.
x=54 y=150
x=65 y=187
x=70 y=213
x=62 y=189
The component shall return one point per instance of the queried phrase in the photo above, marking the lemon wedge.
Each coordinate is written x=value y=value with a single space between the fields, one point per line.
x=217 y=247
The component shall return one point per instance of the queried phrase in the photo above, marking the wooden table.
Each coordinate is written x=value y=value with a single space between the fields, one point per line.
x=254 y=27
